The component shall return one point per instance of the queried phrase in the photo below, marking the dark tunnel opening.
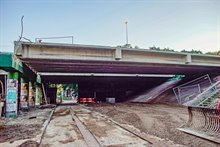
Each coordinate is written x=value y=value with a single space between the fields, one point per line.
x=100 y=88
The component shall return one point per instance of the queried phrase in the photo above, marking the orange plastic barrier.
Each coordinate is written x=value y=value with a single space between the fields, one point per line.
x=86 y=100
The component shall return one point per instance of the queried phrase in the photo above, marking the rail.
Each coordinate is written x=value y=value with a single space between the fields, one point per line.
x=208 y=98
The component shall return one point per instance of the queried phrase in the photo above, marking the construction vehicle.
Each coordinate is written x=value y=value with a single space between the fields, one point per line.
x=204 y=114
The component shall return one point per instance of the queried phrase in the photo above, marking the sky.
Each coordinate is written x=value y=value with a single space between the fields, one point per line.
x=177 y=24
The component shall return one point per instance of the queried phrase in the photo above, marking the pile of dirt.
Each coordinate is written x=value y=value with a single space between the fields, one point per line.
x=126 y=117
x=11 y=133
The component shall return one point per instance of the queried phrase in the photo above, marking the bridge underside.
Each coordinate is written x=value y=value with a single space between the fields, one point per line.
x=85 y=66
x=111 y=86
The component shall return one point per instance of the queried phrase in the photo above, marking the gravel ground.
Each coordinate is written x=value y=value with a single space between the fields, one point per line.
x=156 y=119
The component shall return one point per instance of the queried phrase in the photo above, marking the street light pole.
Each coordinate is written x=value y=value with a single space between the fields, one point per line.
x=126 y=27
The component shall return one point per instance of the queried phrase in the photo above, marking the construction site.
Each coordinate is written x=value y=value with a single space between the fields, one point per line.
x=56 y=94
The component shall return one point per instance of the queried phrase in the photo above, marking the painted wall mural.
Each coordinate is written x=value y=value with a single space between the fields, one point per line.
x=67 y=93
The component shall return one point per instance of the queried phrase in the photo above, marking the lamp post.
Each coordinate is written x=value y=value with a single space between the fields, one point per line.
x=126 y=27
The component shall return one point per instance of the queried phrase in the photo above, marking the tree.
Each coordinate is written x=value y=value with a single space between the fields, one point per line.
x=155 y=48
x=192 y=51
x=159 y=49
x=213 y=53
x=125 y=46
x=128 y=46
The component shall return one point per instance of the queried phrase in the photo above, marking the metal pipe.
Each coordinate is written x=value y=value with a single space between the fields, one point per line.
x=106 y=75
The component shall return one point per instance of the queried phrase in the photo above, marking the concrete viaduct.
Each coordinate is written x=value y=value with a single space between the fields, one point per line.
x=111 y=71
x=47 y=58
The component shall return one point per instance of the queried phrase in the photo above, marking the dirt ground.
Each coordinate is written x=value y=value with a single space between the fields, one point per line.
x=26 y=126
x=62 y=130
x=17 y=132
x=106 y=132
x=160 y=120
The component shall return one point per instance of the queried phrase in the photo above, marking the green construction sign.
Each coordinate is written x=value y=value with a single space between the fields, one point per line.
x=176 y=77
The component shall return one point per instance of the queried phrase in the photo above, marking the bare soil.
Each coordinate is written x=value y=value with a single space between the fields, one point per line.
x=105 y=131
x=12 y=133
x=24 y=128
x=29 y=143
x=160 y=120
x=62 y=130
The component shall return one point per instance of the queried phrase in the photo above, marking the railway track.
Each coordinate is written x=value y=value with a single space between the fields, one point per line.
x=78 y=126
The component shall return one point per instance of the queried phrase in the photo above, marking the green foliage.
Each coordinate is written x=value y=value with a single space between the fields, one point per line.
x=213 y=53
x=192 y=51
x=167 y=49
x=128 y=46
x=155 y=48
x=125 y=46
x=215 y=96
x=159 y=49
x=52 y=85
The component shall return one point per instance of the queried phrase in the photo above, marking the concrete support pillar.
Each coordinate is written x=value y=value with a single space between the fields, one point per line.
x=12 y=94
x=38 y=95
x=31 y=97
x=24 y=94
x=188 y=58
x=118 y=54
x=38 y=92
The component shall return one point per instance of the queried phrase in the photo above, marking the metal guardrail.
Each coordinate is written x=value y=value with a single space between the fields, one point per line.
x=203 y=122
x=206 y=98
x=188 y=91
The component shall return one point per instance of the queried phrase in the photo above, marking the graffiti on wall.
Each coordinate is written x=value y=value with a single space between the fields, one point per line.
x=67 y=93
x=24 y=96
x=31 y=98
x=11 y=98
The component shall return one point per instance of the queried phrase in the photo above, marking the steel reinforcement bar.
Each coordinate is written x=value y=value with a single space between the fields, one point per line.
x=204 y=123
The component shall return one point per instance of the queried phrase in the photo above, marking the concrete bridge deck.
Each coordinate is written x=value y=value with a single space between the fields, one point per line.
x=74 y=58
